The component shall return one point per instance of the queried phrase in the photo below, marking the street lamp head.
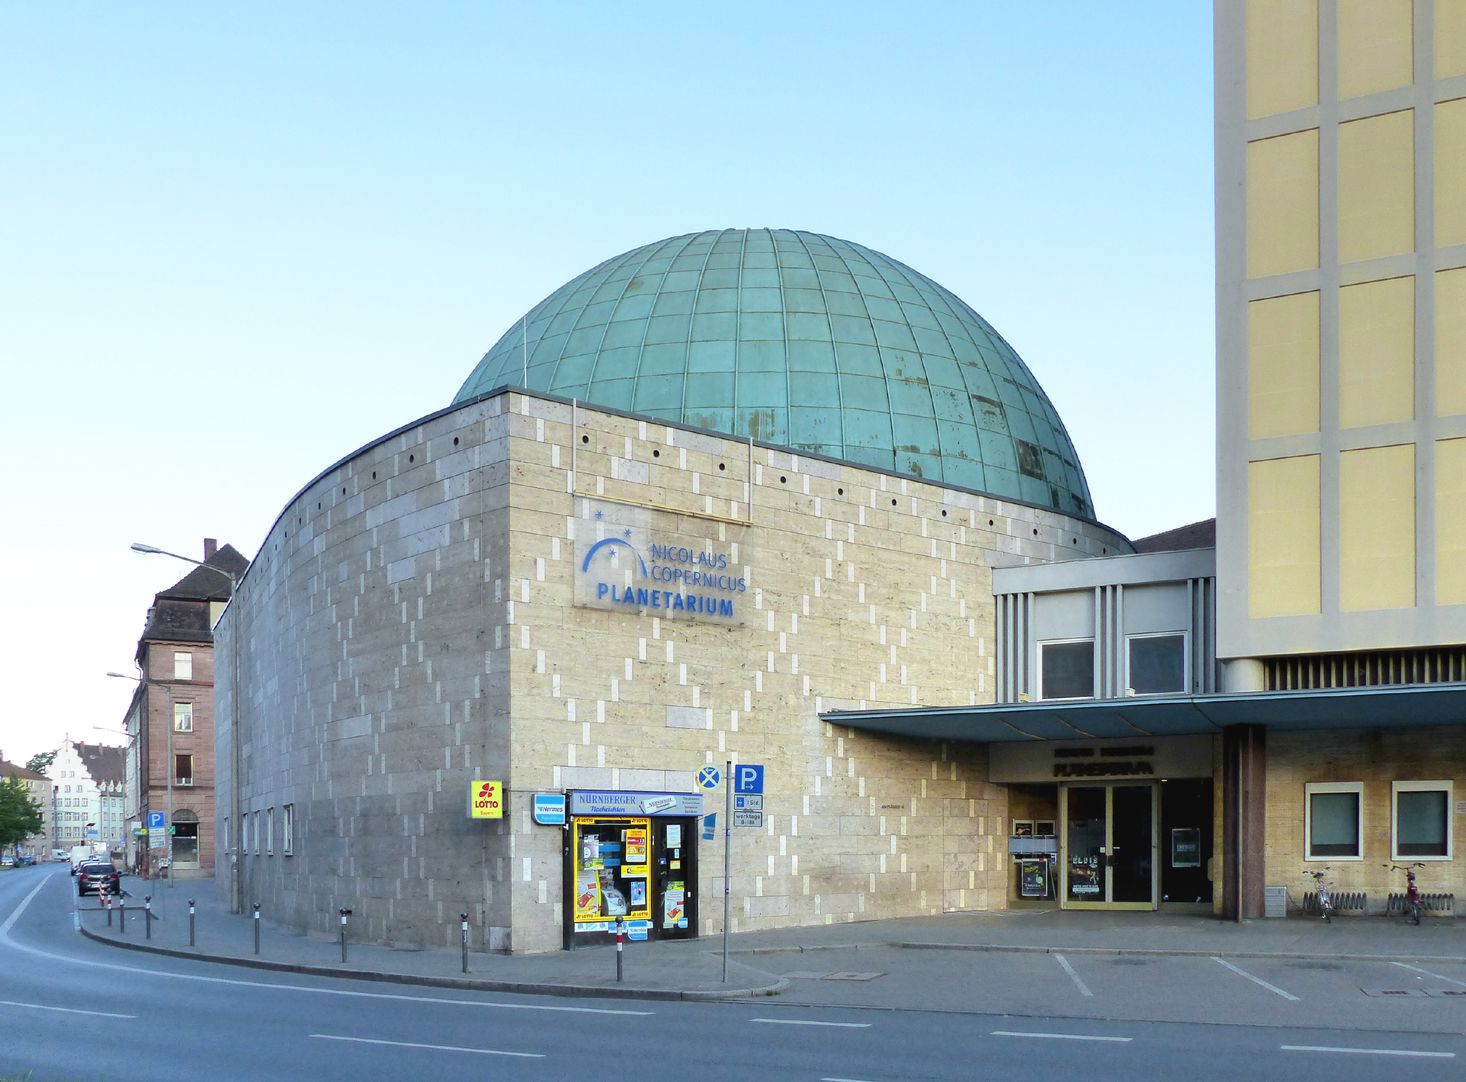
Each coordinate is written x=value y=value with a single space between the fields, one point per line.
x=138 y=546
x=125 y=676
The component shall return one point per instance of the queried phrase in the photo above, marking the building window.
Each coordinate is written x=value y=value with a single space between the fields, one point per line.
x=270 y=832
x=287 y=830
x=1421 y=823
x=183 y=769
x=224 y=834
x=182 y=665
x=183 y=717
x=256 y=846
x=1334 y=820
x=1066 y=669
x=1156 y=664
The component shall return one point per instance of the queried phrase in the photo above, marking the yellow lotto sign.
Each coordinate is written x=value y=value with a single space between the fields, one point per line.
x=486 y=800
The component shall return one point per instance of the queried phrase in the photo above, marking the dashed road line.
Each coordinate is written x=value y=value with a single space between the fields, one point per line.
x=1064 y=962
x=63 y=1010
x=432 y=1047
x=1367 y=1051
x=810 y=1022
x=1255 y=980
x=1061 y=1036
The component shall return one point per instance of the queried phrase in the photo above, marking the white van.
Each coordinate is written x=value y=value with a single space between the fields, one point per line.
x=80 y=854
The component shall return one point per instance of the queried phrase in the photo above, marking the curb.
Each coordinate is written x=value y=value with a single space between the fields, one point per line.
x=622 y=991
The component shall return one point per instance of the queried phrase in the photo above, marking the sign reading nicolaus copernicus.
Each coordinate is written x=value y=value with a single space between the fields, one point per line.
x=629 y=559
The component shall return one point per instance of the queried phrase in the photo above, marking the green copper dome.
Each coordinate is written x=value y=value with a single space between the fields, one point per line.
x=804 y=341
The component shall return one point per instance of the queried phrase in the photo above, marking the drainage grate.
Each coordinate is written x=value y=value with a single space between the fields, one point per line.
x=1445 y=991
x=1393 y=992
x=852 y=976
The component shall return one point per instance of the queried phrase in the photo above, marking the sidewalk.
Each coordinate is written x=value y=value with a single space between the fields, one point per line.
x=693 y=969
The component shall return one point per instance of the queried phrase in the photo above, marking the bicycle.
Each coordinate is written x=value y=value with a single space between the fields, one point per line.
x=1414 y=903
x=1325 y=900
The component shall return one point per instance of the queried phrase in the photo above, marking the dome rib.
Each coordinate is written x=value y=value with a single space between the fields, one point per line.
x=804 y=341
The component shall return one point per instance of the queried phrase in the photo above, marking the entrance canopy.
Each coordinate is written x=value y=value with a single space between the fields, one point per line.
x=1180 y=715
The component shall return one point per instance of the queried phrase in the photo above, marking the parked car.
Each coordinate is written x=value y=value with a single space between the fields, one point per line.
x=96 y=875
x=25 y=859
x=7 y=861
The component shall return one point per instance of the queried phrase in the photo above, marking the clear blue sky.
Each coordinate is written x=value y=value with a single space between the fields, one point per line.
x=238 y=242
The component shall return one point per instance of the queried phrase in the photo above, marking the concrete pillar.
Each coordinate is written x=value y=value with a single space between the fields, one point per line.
x=1244 y=820
x=1241 y=674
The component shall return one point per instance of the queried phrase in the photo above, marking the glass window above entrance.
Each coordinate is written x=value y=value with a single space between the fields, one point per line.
x=1156 y=664
x=1066 y=669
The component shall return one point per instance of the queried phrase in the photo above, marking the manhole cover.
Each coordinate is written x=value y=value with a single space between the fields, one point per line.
x=852 y=976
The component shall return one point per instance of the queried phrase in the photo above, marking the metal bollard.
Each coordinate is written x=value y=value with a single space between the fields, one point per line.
x=620 y=944
x=190 y=922
x=344 y=914
x=463 y=917
x=122 y=916
x=148 y=915
x=107 y=905
x=257 y=927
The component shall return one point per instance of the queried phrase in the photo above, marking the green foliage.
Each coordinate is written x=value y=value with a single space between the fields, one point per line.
x=41 y=761
x=20 y=813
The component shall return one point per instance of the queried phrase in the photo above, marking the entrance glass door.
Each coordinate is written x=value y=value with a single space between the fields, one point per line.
x=1109 y=846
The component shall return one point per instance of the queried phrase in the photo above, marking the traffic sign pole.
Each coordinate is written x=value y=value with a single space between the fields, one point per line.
x=727 y=862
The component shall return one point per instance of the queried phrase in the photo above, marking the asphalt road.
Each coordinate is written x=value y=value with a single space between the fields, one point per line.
x=77 y=1010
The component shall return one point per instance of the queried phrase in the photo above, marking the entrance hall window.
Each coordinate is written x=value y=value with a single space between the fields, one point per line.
x=1066 y=669
x=1421 y=822
x=1156 y=664
x=1333 y=820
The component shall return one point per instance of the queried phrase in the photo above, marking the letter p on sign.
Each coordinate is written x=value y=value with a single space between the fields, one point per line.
x=486 y=799
x=748 y=778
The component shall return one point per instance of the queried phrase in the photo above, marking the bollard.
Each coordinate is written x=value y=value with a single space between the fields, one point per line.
x=257 y=927
x=620 y=943
x=107 y=905
x=122 y=916
x=190 y=922
x=148 y=916
x=344 y=914
x=463 y=917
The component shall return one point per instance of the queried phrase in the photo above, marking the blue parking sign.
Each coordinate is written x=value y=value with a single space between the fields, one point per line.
x=748 y=778
x=156 y=821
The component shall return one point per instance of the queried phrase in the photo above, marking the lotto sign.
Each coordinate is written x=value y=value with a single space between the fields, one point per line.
x=486 y=800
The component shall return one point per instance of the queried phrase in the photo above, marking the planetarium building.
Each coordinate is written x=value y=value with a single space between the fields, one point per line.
x=701 y=498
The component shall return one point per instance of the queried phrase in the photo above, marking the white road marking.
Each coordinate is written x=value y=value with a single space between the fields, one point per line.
x=434 y=1047
x=810 y=1022
x=1428 y=973
x=275 y=987
x=1083 y=988
x=1255 y=980
x=1366 y=1051
x=845 y=1080
x=1061 y=1036
x=63 y=1010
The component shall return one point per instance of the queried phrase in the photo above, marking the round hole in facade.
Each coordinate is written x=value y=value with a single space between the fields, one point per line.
x=783 y=480
x=455 y=441
x=893 y=503
x=839 y=492
x=374 y=475
x=656 y=453
x=721 y=466
x=1035 y=533
x=584 y=439
x=411 y=458
x=944 y=513
x=990 y=522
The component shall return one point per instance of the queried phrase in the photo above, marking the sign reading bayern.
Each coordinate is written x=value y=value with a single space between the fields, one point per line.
x=633 y=560
x=485 y=799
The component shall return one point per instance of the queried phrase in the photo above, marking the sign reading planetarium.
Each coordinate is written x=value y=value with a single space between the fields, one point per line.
x=633 y=560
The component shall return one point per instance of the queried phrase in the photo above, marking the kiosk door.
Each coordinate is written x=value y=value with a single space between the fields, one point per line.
x=1109 y=846
x=674 y=878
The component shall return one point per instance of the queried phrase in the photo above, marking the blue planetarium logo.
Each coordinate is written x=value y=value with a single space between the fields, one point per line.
x=661 y=576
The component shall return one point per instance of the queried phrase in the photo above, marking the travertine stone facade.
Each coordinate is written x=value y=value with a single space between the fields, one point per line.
x=410 y=624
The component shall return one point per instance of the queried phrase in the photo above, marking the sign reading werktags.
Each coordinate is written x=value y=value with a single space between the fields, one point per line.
x=485 y=799
x=631 y=559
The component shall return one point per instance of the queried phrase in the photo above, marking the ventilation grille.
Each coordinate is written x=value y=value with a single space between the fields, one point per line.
x=1316 y=672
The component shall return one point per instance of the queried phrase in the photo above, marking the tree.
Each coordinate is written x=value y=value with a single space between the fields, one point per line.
x=20 y=813
x=41 y=761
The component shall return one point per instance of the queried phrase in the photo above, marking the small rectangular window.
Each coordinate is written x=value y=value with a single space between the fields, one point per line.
x=287 y=830
x=1333 y=820
x=182 y=665
x=1066 y=669
x=1156 y=664
x=270 y=832
x=1421 y=824
x=183 y=717
x=224 y=834
x=256 y=847
x=183 y=769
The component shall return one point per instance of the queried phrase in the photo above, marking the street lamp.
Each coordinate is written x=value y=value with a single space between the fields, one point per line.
x=145 y=683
